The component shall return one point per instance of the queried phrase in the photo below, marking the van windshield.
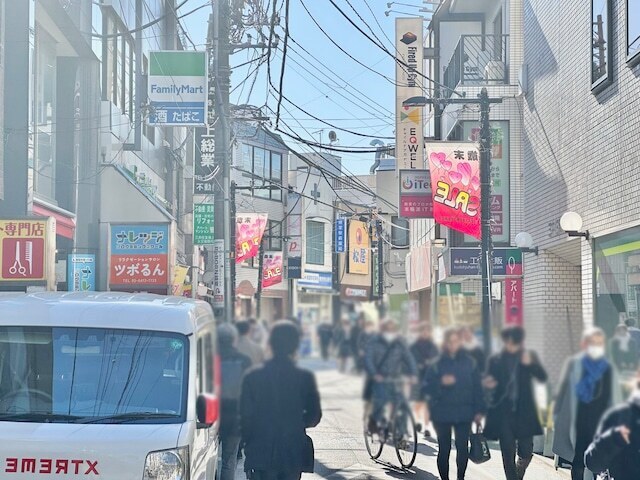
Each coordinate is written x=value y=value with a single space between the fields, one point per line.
x=92 y=375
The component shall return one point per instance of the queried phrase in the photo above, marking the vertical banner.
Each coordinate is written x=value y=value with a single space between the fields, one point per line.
x=294 y=233
x=341 y=235
x=177 y=88
x=409 y=83
x=139 y=255
x=271 y=269
x=81 y=272
x=455 y=181
x=203 y=224
x=249 y=231
x=179 y=276
x=359 y=248
x=416 y=200
x=204 y=161
x=218 y=273
x=513 y=302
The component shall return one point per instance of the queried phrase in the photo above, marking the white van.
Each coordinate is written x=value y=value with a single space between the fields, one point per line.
x=107 y=386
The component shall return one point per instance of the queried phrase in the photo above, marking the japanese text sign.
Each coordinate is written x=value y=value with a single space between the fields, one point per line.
x=341 y=235
x=294 y=226
x=24 y=249
x=272 y=266
x=416 y=200
x=359 y=251
x=204 y=162
x=506 y=262
x=81 y=272
x=455 y=180
x=513 y=302
x=139 y=255
x=203 y=224
x=177 y=88
x=249 y=231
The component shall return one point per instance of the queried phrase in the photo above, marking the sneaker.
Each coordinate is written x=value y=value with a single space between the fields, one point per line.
x=427 y=434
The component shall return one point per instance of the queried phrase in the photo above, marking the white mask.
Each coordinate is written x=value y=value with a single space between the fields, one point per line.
x=390 y=336
x=596 y=352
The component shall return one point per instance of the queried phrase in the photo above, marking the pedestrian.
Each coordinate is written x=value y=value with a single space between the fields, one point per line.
x=472 y=346
x=616 y=446
x=453 y=387
x=585 y=394
x=367 y=336
x=354 y=339
x=325 y=334
x=634 y=331
x=624 y=350
x=424 y=352
x=259 y=332
x=512 y=416
x=341 y=338
x=279 y=402
x=246 y=345
x=233 y=366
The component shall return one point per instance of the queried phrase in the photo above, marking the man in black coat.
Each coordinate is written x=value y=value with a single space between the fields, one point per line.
x=279 y=402
x=616 y=447
x=512 y=417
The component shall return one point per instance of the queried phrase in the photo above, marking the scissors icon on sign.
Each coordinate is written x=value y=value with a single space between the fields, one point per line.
x=17 y=266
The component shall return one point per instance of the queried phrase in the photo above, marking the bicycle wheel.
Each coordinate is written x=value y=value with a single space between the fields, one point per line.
x=405 y=436
x=374 y=441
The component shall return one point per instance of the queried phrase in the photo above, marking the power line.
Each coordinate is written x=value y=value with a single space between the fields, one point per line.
x=284 y=60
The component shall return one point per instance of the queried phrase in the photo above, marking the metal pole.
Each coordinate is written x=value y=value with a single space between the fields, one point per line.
x=485 y=194
x=380 y=267
x=260 y=277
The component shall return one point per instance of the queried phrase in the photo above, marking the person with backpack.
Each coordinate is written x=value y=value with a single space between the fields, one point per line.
x=453 y=387
x=233 y=366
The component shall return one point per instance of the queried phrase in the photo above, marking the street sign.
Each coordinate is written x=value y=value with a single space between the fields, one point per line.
x=218 y=273
x=507 y=262
x=177 y=88
x=203 y=224
x=81 y=272
x=204 y=162
x=341 y=235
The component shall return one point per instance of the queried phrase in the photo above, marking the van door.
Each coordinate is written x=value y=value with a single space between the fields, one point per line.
x=205 y=444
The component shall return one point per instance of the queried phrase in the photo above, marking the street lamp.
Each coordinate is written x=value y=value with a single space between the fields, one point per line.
x=524 y=241
x=571 y=224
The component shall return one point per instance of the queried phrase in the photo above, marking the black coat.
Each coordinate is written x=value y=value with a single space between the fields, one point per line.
x=235 y=364
x=279 y=401
x=502 y=408
x=459 y=402
x=610 y=451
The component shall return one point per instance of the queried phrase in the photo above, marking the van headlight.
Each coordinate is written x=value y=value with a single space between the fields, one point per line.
x=167 y=465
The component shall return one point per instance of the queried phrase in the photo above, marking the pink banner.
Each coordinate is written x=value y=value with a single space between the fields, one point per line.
x=513 y=302
x=271 y=269
x=249 y=231
x=455 y=181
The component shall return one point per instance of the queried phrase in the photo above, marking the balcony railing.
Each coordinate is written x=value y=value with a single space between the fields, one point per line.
x=478 y=60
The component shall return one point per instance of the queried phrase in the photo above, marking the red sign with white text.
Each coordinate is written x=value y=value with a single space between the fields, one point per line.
x=139 y=269
x=513 y=302
x=455 y=181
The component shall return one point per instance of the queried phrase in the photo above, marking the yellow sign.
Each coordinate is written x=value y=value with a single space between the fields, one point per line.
x=179 y=276
x=26 y=251
x=359 y=248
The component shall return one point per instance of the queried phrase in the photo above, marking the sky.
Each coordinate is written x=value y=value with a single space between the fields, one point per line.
x=324 y=81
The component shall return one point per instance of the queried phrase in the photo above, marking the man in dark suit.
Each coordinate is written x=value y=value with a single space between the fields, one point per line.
x=279 y=402
x=513 y=417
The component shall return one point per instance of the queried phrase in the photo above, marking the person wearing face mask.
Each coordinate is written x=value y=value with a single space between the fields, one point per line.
x=387 y=357
x=585 y=394
x=616 y=446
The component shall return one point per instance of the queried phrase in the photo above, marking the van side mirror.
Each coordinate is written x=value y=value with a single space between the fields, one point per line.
x=207 y=409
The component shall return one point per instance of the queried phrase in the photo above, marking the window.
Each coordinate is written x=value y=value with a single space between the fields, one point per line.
x=274 y=236
x=119 y=66
x=633 y=31
x=264 y=167
x=315 y=242
x=400 y=232
x=601 y=51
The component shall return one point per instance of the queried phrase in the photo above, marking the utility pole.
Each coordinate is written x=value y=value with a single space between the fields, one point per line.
x=380 y=259
x=485 y=214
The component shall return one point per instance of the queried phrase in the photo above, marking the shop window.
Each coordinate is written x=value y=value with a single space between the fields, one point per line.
x=315 y=243
x=633 y=31
x=601 y=48
x=400 y=232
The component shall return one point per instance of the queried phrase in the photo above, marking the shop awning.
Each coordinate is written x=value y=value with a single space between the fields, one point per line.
x=65 y=222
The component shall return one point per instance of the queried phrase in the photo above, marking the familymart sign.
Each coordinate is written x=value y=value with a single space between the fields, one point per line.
x=177 y=88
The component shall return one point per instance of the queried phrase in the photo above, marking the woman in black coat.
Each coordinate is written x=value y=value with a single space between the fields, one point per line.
x=454 y=391
x=279 y=402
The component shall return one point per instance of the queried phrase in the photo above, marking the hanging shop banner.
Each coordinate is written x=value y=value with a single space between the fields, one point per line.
x=420 y=268
x=139 y=255
x=203 y=224
x=81 y=272
x=359 y=247
x=179 y=276
x=416 y=200
x=204 y=161
x=341 y=235
x=294 y=226
x=507 y=262
x=27 y=250
x=500 y=179
x=272 y=267
x=249 y=231
x=513 y=302
x=455 y=181
x=218 y=273
x=177 y=88
x=409 y=83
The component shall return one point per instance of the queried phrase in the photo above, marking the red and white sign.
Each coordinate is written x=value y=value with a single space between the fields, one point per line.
x=25 y=249
x=139 y=269
x=513 y=302
x=272 y=266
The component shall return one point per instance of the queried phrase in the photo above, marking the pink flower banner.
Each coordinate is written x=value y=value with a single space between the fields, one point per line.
x=249 y=231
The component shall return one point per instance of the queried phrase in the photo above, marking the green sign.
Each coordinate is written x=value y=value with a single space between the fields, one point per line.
x=203 y=224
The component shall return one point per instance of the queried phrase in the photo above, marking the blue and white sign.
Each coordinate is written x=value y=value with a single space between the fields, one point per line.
x=81 y=272
x=341 y=235
x=317 y=280
x=139 y=239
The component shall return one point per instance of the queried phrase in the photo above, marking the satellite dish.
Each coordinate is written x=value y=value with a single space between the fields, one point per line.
x=333 y=136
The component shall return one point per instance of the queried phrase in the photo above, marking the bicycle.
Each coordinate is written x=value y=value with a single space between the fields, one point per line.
x=402 y=430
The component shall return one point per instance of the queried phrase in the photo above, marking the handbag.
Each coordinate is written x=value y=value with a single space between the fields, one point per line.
x=479 y=450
